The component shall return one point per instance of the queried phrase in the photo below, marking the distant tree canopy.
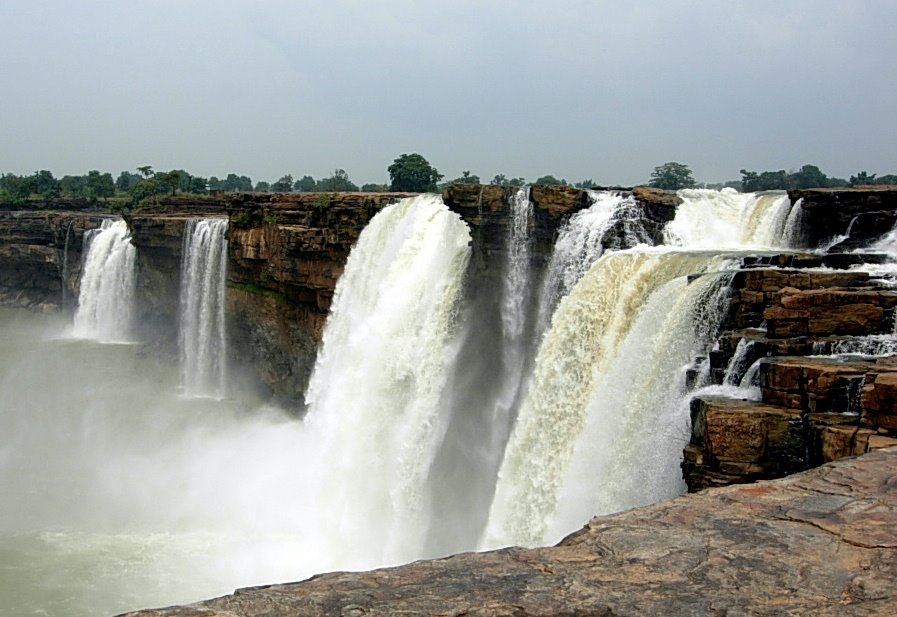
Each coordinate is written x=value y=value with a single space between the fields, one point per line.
x=502 y=180
x=412 y=173
x=305 y=184
x=807 y=177
x=865 y=178
x=283 y=185
x=408 y=172
x=672 y=176
x=549 y=179
x=41 y=184
x=337 y=182
x=231 y=184
x=465 y=178
x=160 y=182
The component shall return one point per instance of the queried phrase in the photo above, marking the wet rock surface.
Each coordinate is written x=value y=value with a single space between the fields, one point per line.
x=817 y=543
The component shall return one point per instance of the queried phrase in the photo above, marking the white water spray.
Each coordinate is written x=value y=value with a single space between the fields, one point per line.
x=374 y=393
x=202 y=337
x=106 y=296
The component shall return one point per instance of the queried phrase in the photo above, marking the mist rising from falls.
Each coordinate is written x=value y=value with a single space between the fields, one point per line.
x=373 y=399
x=202 y=340
x=123 y=494
x=106 y=296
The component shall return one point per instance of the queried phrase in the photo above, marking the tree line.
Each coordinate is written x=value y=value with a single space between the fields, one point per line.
x=674 y=176
x=408 y=172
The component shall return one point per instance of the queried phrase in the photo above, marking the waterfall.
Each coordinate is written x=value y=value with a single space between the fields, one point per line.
x=517 y=277
x=202 y=336
x=739 y=363
x=65 y=266
x=105 y=299
x=729 y=220
x=581 y=349
x=793 y=235
x=583 y=239
x=375 y=388
x=606 y=416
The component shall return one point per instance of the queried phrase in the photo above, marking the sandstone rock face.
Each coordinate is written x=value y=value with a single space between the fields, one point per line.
x=812 y=411
x=740 y=441
x=286 y=253
x=817 y=543
x=35 y=269
x=836 y=407
x=159 y=240
x=863 y=214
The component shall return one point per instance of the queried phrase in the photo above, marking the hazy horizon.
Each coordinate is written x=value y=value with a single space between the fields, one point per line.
x=574 y=89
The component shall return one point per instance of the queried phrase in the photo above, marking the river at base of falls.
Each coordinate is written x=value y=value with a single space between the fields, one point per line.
x=118 y=494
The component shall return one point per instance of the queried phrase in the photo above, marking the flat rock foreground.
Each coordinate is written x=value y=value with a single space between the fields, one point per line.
x=822 y=542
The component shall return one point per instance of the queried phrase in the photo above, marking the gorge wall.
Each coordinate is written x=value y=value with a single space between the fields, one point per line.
x=286 y=252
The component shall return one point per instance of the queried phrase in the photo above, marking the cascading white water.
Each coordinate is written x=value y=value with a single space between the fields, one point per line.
x=584 y=341
x=729 y=220
x=202 y=336
x=106 y=296
x=374 y=393
x=581 y=241
x=124 y=495
x=604 y=423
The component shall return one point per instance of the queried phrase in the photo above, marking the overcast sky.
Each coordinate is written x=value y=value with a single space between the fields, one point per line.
x=595 y=89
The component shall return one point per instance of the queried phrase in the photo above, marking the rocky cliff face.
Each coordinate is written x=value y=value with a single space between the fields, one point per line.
x=817 y=543
x=287 y=252
x=40 y=257
x=810 y=409
x=846 y=219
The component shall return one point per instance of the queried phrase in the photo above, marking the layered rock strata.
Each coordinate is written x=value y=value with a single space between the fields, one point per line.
x=288 y=250
x=811 y=409
x=817 y=543
x=844 y=218
x=40 y=257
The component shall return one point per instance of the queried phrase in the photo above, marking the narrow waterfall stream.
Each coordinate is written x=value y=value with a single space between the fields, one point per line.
x=202 y=340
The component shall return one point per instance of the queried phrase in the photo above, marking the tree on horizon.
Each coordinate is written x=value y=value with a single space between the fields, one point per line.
x=672 y=176
x=413 y=173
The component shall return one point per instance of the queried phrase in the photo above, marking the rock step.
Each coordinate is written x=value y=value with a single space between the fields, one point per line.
x=812 y=410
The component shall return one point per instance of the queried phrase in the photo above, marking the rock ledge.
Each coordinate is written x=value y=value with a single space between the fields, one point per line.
x=822 y=543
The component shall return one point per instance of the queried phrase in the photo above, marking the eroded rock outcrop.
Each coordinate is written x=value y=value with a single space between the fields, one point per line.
x=846 y=218
x=810 y=409
x=817 y=543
